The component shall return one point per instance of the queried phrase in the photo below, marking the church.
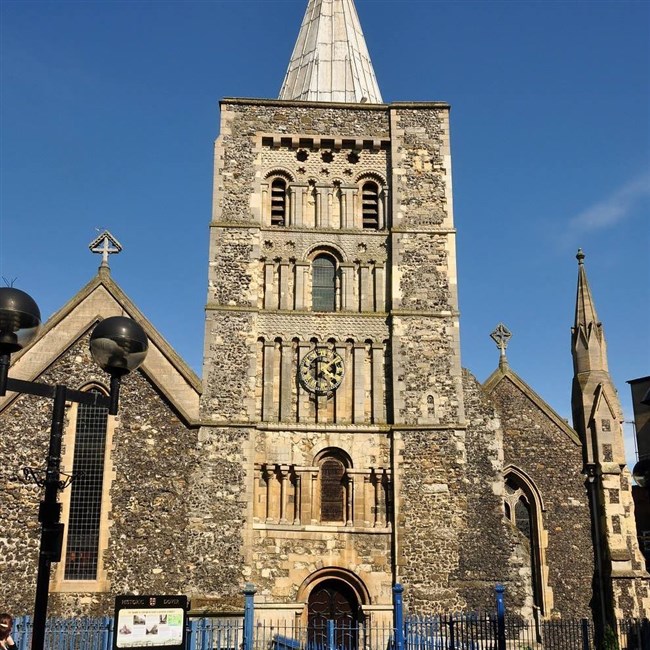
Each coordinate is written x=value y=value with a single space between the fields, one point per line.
x=334 y=446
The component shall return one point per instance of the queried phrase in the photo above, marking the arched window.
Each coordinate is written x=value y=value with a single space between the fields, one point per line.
x=334 y=487
x=370 y=205
x=323 y=284
x=522 y=509
x=82 y=549
x=278 y=202
x=332 y=490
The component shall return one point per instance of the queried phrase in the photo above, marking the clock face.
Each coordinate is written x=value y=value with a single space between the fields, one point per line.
x=321 y=371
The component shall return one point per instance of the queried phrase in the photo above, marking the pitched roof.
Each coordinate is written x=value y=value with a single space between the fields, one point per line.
x=99 y=299
x=330 y=61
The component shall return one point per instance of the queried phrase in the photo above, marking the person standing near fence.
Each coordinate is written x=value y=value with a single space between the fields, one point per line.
x=6 y=625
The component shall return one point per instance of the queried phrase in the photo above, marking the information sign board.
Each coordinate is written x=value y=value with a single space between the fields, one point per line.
x=150 y=622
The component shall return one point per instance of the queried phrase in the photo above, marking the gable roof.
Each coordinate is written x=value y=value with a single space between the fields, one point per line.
x=504 y=372
x=99 y=299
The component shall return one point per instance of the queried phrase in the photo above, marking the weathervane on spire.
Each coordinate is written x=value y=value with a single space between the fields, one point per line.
x=105 y=245
x=501 y=335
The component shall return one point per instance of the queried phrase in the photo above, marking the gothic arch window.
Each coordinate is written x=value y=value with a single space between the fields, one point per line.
x=335 y=500
x=370 y=205
x=278 y=202
x=523 y=509
x=85 y=516
x=323 y=283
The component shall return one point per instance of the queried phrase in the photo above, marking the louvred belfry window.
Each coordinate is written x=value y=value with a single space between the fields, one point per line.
x=278 y=202
x=370 y=205
x=332 y=496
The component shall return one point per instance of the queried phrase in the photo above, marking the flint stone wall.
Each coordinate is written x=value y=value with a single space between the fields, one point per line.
x=488 y=543
x=538 y=446
x=152 y=449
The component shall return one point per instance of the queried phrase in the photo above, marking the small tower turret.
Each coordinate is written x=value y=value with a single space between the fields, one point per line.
x=621 y=583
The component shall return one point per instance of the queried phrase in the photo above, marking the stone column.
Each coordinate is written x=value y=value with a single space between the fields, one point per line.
x=269 y=476
x=315 y=497
x=384 y=485
x=380 y=288
x=268 y=383
x=323 y=207
x=345 y=208
x=264 y=211
x=366 y=289
x=378 y=383
x=318 y=215
x=297 y=497
x=298 y=198
x=367 y=499
x=286 y=380
x=347 y=280
x=270 y=296
x=356 y=220
x=359 y=406
x=290 y=206
x=301 y=269
x=349 y=501
x=283 y=272
x=376 y=492
x=381 y=209
x=283 y=472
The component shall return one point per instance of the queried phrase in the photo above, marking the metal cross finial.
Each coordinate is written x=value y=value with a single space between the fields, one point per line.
x=105 y=245
x=501 y=336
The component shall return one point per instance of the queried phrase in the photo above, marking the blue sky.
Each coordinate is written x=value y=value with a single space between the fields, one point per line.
x=109 y=110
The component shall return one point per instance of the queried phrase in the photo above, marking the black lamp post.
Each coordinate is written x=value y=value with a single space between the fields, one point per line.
x=119 y=345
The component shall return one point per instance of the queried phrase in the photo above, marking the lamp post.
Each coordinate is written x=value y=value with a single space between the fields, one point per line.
x=119 y=345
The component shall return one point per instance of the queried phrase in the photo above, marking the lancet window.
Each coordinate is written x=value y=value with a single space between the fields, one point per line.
x=83 y=538
x=522 y=507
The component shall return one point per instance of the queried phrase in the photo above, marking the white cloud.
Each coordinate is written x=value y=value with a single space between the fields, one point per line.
x=614 y=208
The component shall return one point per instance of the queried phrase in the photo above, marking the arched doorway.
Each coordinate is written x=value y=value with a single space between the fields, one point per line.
x=334 y=615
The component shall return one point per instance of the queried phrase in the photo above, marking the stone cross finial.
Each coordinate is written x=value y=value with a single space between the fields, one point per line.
x=105 y=245
x=501 y=335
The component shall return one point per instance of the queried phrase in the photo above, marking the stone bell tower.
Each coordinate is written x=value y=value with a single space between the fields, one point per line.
x=332 y=406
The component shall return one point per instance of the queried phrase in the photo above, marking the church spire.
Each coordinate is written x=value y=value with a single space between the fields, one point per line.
x=330 y=62
x=588 y=339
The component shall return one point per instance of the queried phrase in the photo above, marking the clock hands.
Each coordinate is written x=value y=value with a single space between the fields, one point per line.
x=321 y=371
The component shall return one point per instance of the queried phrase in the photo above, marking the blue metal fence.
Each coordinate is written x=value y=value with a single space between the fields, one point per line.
x=474 y=631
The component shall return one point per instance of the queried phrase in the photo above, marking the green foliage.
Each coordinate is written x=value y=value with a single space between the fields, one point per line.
x=610 y=640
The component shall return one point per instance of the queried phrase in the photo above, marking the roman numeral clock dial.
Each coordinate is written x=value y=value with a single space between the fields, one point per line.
x=321 y=371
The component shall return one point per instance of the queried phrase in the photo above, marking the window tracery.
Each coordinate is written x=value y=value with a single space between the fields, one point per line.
x=523 y=509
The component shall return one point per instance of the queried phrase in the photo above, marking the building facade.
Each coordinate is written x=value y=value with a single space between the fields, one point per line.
x=336 y=446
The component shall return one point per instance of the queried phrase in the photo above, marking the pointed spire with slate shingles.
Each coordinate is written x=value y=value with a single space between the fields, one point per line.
x=330 y=62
